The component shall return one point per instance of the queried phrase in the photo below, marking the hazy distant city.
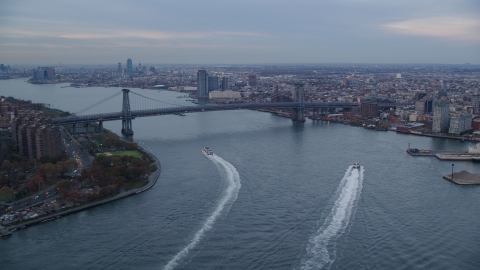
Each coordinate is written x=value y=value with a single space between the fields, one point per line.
x=428 y=98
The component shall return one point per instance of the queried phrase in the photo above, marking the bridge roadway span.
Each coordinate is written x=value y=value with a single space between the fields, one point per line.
x=200 y=108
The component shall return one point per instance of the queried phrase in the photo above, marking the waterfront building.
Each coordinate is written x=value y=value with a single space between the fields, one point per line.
x=224 y=96
x=460 y=123
x=202 y=83
x=441 y=109
x=43 y=73
x=476 y=124
x=369 y=109
x=224 y=83
x=129 y=66
x=212 y=83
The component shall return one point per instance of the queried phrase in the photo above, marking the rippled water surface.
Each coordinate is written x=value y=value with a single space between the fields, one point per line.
x=277 y=195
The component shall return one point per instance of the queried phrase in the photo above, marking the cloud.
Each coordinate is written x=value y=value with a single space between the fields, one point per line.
x=448 y=27
x=127 y=34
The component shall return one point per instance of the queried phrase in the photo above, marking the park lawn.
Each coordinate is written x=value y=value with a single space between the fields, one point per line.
x=132 y=153
x=133 y=185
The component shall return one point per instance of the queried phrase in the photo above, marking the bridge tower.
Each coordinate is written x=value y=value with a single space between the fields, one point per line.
x=298 y=114
x=126 y=114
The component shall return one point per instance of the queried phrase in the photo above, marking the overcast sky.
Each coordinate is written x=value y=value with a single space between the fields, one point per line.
x=239 y=32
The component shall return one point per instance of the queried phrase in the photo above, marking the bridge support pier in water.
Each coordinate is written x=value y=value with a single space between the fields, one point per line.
x=126 y=114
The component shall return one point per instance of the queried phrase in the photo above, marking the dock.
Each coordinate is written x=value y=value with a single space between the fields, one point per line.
x=422 y=153
x=445 y=155
x=463 y=178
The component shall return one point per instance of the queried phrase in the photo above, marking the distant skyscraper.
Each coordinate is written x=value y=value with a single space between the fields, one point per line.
x=444 y=86
x=44 y=73
x=119 y=67
x=224 y=83
x=252 y=80
x=129 y=66
x=443 y=91
x=441 y=109
x=476 y=102
x=202 y=83
x=139 y=66
x=212 y=83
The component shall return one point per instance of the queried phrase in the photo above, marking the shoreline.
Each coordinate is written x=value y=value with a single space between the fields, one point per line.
x=152 y=179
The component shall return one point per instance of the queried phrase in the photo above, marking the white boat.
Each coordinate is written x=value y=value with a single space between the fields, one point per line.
x=356 y=165
x=207 y=151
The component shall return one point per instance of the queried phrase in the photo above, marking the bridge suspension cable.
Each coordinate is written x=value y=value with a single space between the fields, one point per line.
x=98 y=103
x=272 y=96
x=159 y=101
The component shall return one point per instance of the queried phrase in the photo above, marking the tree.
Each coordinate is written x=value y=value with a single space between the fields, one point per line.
x=7 y=194
x=38 y=181
x=66 y=166
x=7 y=165
x=50 y=170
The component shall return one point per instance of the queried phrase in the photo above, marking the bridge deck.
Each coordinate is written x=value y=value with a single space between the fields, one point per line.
x=200 y=108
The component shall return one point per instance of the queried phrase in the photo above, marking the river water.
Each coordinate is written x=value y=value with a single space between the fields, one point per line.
x=276 y=195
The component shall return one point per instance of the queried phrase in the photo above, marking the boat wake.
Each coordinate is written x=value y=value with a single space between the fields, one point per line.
x=322 y=244
x=230 y=194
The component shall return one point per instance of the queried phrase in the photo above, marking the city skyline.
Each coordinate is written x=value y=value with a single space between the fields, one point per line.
x=247 y=32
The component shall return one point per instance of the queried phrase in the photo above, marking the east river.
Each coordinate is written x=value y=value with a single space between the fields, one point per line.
x=276 y=195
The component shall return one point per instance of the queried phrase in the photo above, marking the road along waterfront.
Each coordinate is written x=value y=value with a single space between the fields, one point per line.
x=406 y=216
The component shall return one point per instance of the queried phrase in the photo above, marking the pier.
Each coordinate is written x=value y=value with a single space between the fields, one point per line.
x=463 y=178
x=473 y=154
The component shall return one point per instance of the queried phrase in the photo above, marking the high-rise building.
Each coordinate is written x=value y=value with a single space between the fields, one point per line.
x=35 y=136
x=252 y=80
x=212 y=83
x=443 y=90
x=476 y=102
x=420 y=106
x=224 y=83
x=119 y=68
x=429 y=106
x=441 y=109
x=44 y=73
x=202 y=83
x=419 y=95
x=424 y=106
x=460 y=123
x=129 y=66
